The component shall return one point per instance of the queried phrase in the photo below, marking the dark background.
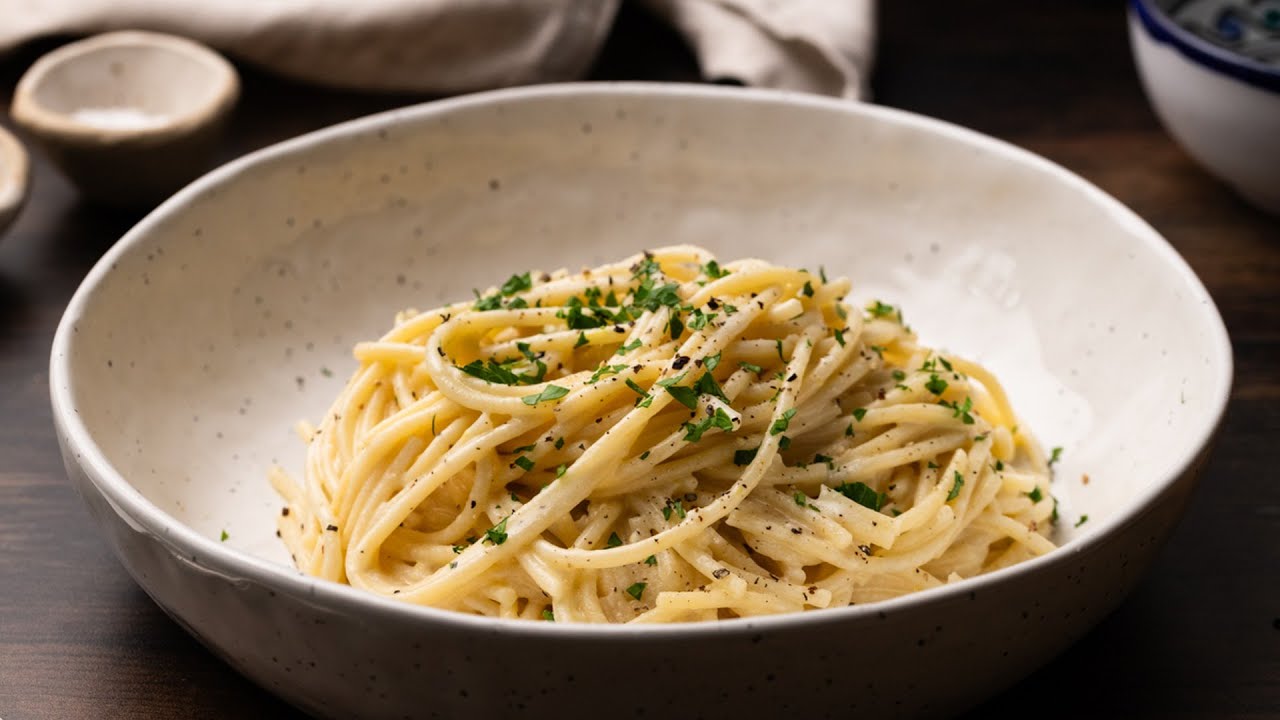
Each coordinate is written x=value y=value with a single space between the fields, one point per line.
x=1199 y=638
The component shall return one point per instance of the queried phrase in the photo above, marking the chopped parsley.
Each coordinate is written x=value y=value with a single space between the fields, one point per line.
x=644 y=455
x=800 y=498
x=1083 y=519
x=497 y=534
x=675 y=506
x=636 y=590
x=582 y=340
x=550 y=392
x=862 y=494
x=956 y=484
x=651 y=560
x=224 y=536
x=492 y=372
x=839 y=333
x=807 y=289
x=1055 y=456
x=879 y=309
x=784 y=442
x=559 y=442
x=516 y=283
x=782 y=423
x=628 y=347
x=614 y=540
x=778 y=344
x=960 y=409
x=859 y=413
x=712 y=362
x=749 y=367
x=899 y=375
x=707 y=385
x=744 y=457
x=713 y=270
x=877 y=349
x=698 y=319
x=721 y=419
x=827 y=460
x=1035 y=495
x=524 y=463
x=606 y=370
x=560 y=470
x=671 y=380
x=676 y=325
x=549 y=615
x=685 y=396
x=936 y=385
x=636 y=388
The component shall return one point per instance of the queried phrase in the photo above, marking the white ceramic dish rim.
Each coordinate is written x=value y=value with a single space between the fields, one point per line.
x=224 y=79
x=185 y=541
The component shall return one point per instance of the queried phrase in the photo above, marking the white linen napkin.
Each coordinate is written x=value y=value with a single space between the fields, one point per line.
x=450 y=46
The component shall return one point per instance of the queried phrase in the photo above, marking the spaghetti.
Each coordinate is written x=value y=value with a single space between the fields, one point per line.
x=662 y=439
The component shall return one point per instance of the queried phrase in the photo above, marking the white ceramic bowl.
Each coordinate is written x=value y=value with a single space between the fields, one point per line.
x=230 y=312
x=1221 y=106
x=128 y=116
x=15 y=170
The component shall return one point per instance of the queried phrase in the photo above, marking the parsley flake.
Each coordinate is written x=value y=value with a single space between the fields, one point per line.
x=614 y=541
x=497 y=534
x=936 y=385
x=636 y=590
x=744 y=457
x=550 y=392
x=955 y=486
x=782 y=423
x=862 y=494
x=1055 y=456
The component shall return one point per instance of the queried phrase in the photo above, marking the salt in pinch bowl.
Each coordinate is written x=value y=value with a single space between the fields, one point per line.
x=129 y=117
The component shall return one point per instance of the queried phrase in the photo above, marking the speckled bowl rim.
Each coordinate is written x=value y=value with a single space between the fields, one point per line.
x=29 y=112
x=1162 y=28
x=15 y=175
x=182 y=540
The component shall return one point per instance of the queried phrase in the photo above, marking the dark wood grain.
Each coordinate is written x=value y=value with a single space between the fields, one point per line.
x=1199 y=638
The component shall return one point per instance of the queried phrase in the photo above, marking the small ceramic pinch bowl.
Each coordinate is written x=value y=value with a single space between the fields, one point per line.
x=128 y=116
x=193 y=347
x=14 y=175
x=1212 y=72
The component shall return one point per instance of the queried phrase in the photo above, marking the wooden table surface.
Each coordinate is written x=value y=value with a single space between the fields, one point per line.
x=1199 y=638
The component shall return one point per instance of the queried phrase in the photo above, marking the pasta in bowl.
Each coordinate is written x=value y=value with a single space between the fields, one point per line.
x=663 y=439
x=193 y=348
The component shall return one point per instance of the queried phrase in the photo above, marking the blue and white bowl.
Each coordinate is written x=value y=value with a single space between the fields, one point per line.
x=1212 y=71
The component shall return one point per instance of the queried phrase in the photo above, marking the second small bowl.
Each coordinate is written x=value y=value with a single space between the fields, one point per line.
x=1218 y=101
x=128 y=116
